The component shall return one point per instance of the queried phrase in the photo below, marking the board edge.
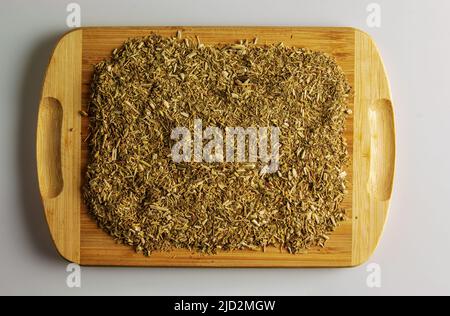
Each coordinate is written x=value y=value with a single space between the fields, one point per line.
x=371 y=210
x=65 y=55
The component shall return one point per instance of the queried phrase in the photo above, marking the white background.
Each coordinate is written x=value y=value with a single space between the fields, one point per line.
x=414 y=252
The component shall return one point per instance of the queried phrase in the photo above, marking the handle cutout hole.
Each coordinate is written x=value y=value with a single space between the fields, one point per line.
x=382 y=147
x=49 y=147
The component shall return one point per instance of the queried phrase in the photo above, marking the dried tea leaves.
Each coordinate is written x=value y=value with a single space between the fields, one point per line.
x=150 y=85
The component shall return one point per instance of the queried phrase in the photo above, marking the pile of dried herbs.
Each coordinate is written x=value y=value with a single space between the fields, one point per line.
x=150 y=85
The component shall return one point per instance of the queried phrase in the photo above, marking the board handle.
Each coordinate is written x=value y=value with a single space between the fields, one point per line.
x=382 y=149
x=58 y=145
x=50 y=119
x=373 y=149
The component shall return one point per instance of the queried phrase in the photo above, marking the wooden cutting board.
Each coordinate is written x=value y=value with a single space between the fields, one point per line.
x=62 y=153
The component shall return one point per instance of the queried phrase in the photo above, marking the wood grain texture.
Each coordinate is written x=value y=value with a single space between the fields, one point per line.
x=345 y=248
x=374 y=149
x=58 y=145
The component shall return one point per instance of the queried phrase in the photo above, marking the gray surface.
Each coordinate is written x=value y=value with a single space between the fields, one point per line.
x=413 y=255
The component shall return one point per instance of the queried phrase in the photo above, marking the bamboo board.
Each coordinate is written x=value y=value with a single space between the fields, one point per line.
x=62 y=154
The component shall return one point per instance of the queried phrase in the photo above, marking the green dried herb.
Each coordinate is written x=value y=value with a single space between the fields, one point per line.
x=142 y=198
